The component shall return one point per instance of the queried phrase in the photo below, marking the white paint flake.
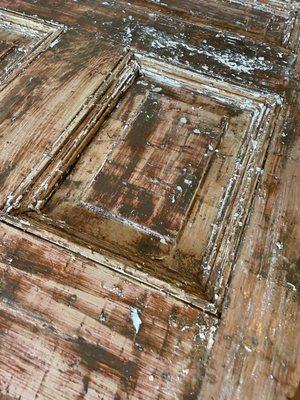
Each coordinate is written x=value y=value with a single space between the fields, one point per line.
x=202 y=332
x=136 y=320
x=54 y=43
x=239 y=62
x=254 y=144
x=196 y=131
x=293 y=287
x=211 y=337
x=247 y=348
x=183 y=120
x=24 y=222
x=188 y=182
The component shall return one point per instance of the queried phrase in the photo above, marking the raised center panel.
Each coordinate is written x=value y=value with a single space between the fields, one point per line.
x=158 y=175
x=157 y=160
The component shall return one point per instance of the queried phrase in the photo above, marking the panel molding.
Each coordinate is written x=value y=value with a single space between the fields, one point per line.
x=36 y=189
x=46 y=34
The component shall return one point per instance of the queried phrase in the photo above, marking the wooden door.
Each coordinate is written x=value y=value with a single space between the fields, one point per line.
x=149 y=169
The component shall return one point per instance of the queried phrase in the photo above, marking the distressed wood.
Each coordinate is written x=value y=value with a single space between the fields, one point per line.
x=101 y=333
x=62 y=78
x=271 y=21
x=256 y=352
x=22 y=39
x=159 y=141
x=206 y=49
x=213 y=120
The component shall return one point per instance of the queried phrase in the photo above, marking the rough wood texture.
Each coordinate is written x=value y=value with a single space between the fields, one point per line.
x=251 y=18
x=228 y=132
x=60 y=81
x=78 y=330
x=161 y=141
x=256 y=352
x=22 y=39
x=150 y=176
x=206 y=49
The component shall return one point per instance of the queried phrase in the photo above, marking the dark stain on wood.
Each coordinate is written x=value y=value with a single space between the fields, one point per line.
x=25 y=260
x=85 y=381
x=152 y=173
x=8 y=287
x=250 y=45
x=94 y=356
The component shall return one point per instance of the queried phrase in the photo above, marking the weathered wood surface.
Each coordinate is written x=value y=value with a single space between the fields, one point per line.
x=47 y=97
x=256 y=351
x=221 y=134
x=22 y=39
x=205 y=48
x=50 y=82
x=227 y=132
x=74 y=328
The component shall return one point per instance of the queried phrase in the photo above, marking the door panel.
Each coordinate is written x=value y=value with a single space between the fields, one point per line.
x=209 y=49
x=134 y=138
x=99 y=333
x=250 y=18
x=170 y=157
x=48 y=95
x=260 y=324
x=21 y=40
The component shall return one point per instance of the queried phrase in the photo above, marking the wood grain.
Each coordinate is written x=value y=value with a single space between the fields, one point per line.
x=91 y=307
x=256 y=353
x=209 y=50
x=150 y=176
x=270 y=21
x=99 y=334
x=60 y=82
x=22 y=39
x=222 y=124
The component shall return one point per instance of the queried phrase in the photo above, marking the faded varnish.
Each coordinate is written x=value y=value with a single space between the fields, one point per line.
x=149 y=175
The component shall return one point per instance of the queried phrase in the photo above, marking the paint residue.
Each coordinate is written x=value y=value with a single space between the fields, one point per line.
x=136 y=320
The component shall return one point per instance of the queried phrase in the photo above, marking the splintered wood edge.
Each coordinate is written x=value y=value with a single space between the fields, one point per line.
x=222 y=252
x=105 y=100
x=51 y=32
x=36 y=189
x=109 y=263
x=233 y=95
x=27 y=22
x=66 y=138
x=241 y=188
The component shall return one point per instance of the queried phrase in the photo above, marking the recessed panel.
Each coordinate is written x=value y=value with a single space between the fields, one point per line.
x=160 y=155
x=166 y=179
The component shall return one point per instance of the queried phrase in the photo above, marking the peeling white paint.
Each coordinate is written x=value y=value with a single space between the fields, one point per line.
x=136 y=321
x=183 y=120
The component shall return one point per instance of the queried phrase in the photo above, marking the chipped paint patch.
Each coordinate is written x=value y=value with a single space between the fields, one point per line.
x=136 y=320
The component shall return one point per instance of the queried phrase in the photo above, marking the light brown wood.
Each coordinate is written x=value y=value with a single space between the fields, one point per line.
x=70 y=320
x=60 y=81
x=149 y=158
x=256 y=352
